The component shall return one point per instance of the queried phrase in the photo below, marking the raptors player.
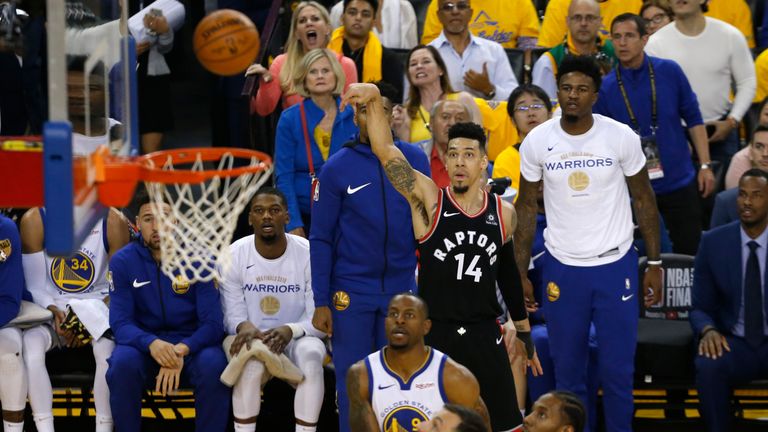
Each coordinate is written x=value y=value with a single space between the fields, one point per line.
x=53 y=282
x=407 y=382
x=267 y=294
x=462 y=232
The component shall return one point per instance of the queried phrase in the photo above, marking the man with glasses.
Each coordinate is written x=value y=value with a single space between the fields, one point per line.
x=653 y=97
x=554 y=26
x=356 y=40
x=584 y=22
x=476 y=65
x=587 y=165
x=491 y=20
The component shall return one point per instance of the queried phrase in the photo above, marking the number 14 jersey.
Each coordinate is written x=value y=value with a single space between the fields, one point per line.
x=458 y=261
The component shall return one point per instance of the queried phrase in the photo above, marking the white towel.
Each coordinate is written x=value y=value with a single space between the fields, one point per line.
x=93 y=313
x=173 y=11
x=30 y=315
x=279 y=366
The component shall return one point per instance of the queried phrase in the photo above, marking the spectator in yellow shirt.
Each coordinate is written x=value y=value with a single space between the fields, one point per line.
x=735 y=13
x=493 y=20
x=761 y=71
x=554 y=28
x=528 y=106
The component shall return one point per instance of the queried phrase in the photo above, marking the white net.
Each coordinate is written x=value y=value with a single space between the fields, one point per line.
x=197 y=225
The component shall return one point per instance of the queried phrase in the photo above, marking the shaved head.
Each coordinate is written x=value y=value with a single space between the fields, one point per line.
x=584 y=5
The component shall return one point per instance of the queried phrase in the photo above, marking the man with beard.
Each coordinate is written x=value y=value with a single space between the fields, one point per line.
x=267 y=294
x=407 y=382
x=465 y=237
x=588 y=165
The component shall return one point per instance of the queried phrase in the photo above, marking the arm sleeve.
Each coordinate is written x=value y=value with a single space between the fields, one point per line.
x=743 y=68
x=689 y=103
x=232 y=298
x=543 y=75
x=704 y=298
x=502 y=77
x=34 y=273
x=289 y=140
x=11 y=273
x=554 y=28
x=432 y=26
x=122 y=309
x=210 y=330
x=510 y=286
x=269 y=93
x=325 y=222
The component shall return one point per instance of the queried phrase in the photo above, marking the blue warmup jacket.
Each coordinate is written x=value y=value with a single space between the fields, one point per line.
x=675 y=100
x=362 y=237
x=146 y=305
x=291 y=163
x=12 y=284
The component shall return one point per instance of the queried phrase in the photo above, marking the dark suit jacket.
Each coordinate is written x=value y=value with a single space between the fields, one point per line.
x=718 y=279
x=725 y=210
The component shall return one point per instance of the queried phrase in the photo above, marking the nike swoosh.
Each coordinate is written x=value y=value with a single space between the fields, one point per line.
x=137 y=284
x=247 y=267
x=498 y=341
x=351 y=190
x=385 y=387
x=446 y=214
x=626 y=297
x=550 y=148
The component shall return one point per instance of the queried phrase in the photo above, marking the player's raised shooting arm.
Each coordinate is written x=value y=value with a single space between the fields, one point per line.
x=361 y=416
x=526 y=208
x=413 y=185
x=462 y=388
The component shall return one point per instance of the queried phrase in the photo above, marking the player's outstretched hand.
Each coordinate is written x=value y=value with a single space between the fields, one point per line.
x=322 y=320
x=358 y=94
x=246 y=333
x=164 y=354
x=652 y=280
x=276 y=339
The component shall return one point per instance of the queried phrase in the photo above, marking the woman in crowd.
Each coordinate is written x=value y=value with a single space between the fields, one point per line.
x=310 y=29
x=755 y=155
x=528 y=106
x=657 y=14
x=428 y=83
x=315 y=124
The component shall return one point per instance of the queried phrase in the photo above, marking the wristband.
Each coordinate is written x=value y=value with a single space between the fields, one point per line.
x=525 y=337
x=296 y=330
x=654 y=262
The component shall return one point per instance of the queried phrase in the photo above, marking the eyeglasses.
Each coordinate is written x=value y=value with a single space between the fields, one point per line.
x=656 y=19
x=589 y=19
x=531 y=107
x=448 y=7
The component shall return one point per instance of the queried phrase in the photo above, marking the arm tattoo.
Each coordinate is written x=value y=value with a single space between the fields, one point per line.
x=361 y=417
x=401 y=174
x=646 y=212
x=526 y=224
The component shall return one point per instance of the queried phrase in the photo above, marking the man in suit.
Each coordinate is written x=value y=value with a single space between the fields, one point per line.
x=754 y=155
x=729 y=306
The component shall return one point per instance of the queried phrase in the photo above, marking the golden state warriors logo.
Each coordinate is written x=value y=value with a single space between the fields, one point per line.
x=553 y=291
x=578 y=180
x=269 y=305
x=180 y=285
x=74 y=274
x=404 y=419
x=340 y=300
x=5 y=249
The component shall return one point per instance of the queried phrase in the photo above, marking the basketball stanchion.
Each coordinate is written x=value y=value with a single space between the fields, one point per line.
x=199 y=194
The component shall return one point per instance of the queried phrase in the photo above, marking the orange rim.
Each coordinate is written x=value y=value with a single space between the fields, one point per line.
x=117 y=177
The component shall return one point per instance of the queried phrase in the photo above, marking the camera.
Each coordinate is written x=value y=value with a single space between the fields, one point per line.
x=12 y=21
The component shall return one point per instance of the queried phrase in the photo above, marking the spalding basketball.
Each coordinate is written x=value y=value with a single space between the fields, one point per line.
x=226 y=42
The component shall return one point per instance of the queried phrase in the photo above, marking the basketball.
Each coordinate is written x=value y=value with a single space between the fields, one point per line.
x=226 y=42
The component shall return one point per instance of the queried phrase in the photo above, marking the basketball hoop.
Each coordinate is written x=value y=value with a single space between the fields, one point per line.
x=205 y=190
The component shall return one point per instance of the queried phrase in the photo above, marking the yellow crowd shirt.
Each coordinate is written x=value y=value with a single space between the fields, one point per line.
x=735 y=13
x=419 y=130
x=500 y=130
x=501 y=21
x=507 y=164
x=761 y=71
x=323 y=140
x=554 y=27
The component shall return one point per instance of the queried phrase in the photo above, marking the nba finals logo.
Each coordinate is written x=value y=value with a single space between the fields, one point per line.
x=404 y=419
x=180 y=285
x=74 y=274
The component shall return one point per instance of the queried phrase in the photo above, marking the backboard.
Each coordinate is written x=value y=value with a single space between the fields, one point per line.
x=90 y=60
